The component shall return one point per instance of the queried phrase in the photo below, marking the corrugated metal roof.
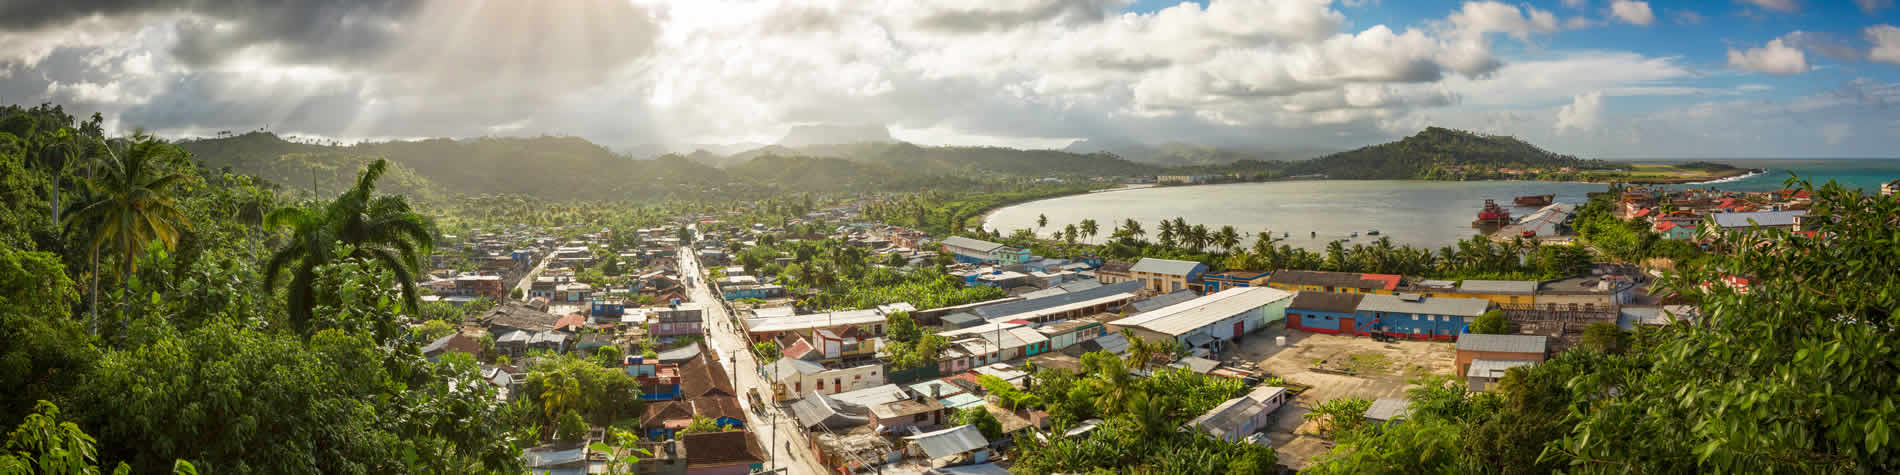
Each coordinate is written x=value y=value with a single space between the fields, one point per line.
x=1018 y=307
x=948 y=442
x=1524 y=287
x=814 y=320
x=971 y=244
x=1164 y=300
x=870 y=397
x=1460 y=307
x=1761 y=218
x=1483 y=368
x=1503 y=343
x=1326 y=301
x=1387 y=409
x=1186 y=316
x=1165 y=266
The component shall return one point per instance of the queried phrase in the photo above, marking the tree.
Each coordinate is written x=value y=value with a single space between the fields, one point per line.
x=1604 y=337
x=1494 y=322
x=432 y=330
x=132 y=205
x=623 y=457
x=572 y=427
x=1132 y=229
x=767 y=351
x=1227 y=239
x=515 y=293
x=1042 y=221
x=1339 y=417
x=1089 y=228
x=382 y=229
x=980 y=417
x=1069 y=234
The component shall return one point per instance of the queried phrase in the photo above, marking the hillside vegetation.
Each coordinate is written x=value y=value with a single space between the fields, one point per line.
x=1431 y=153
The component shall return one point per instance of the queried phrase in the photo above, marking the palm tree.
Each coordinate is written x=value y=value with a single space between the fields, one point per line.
x=1140 y=352
x=131 y=205
x=1197 y=236
x=1227 y=239
x=1089 y=228
x=60 y=149
x=1042 y=221
x=1113 y=384
x=1133 y=228
x=1068 y=233
x=382 y=229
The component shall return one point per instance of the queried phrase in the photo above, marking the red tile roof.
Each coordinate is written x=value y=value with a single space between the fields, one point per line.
x=711 y=449
x=1391 y=281
x=572 y=320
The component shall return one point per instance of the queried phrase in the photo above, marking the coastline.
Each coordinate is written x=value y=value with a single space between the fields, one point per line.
x=1752 y=172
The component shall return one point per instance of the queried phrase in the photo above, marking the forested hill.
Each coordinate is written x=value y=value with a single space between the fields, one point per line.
x=954 y=161
x=1435 y=153
x=550 y=167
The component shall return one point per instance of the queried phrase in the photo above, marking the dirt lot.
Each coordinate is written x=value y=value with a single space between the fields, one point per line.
x=1379 y=370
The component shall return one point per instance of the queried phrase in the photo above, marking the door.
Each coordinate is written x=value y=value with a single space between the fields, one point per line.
x=1240 y=328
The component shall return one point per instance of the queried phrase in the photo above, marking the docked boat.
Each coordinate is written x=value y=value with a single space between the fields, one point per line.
x=1492 y=215
x=1374 y=232
x=1535 y=200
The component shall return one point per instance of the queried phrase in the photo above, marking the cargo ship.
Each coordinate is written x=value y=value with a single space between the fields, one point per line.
x=1535 y=200
x=1492 y=215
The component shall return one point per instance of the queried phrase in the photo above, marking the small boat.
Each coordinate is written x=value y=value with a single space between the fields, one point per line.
x=1374 y=232
x=1355 y=234
x=1535 y=200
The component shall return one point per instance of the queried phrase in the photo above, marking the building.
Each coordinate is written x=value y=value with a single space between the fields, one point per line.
x=751 y=291
x=1784 y=220
x=573 y=292
x=1336 y=282
x=1475 y=346
x=1677 y=230
x=1240 y=417
x=870 y=319
x=1586 y=293
x=1890 y=187
x=795 y=378
x=676 y=321
x=1067 y=333
x=1112 y=272
x=978 y=251
x=958 y=445
x=1484 y=373
x=1076 y=304
x=1417 y=316
x=1167 y=275
x=706 y=453
x=1501 y=292
x=1322 y=312
x=481 y=286
x=1387 y=410
x=1212 y=283
x=1208 y=321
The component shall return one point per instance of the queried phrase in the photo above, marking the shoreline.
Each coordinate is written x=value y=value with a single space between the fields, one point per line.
x=1753 y=172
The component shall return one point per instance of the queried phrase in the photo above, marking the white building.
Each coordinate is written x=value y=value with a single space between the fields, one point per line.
x=1242 y=416
x=800 y=377
x=1211 y=320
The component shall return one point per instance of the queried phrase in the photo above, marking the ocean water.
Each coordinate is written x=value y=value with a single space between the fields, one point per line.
x=1419 y=213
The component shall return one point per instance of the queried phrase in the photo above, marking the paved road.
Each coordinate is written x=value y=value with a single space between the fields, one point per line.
x=527 y=280
x=728 y=342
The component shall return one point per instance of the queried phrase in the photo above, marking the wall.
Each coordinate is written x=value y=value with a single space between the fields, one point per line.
x=1594 y=302
x=852 y=379
x=1437 y=327
x=1465 y=357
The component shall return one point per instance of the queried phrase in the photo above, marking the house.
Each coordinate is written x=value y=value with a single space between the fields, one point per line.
x=706 y=453
x=1074 y=304
x=512 y=315
x=912 y=411
x=481 y=286
x=676 y=321
x=1112 y=272
x=556 y=459
x=816 y=411
x=1208 y=321
x=544 y=287
x=978 y=251
x=1785 y=220
x=1323 y=312
x=958 y=445
x=796 y=378
x=1167 y=275
x=1515 y=293
x=1000 y=341
x=1066 y=333
x=453 y=343
x=699 y=386
x=752 y=291
x=1151 y=303
x=1417 y=316
x=833 y=347
x=1242 y=416
x=1337 y=282
x=1677 y=230
x=573 y=292
x=1212 y=283
x=1585 y=293
x=1387 y=410
x=1484 y=373
x=1474 y=346
x=872 y=319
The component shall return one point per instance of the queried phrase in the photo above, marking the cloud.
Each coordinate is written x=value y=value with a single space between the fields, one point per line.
x=1687 y=17
x=1494 y=17
x=1774 y=58
x=1754 y=87
x=1824 y=44
x=1776 y=5
x=990 y=16
x=1886 y=40
x=1576 y=3
x=1583 y=114
x=1632 y=12
x=1871 y=6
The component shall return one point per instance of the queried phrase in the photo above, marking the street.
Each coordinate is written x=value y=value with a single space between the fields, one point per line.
x=728 y=342
x=527 y=280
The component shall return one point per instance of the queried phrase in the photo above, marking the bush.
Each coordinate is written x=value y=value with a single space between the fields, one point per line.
x=571 y=427
x=1494 y=322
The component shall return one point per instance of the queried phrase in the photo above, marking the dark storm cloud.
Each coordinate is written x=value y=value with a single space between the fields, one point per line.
x=326 y=31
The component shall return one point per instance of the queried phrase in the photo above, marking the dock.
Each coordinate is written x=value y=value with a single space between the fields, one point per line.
x=1547 y=222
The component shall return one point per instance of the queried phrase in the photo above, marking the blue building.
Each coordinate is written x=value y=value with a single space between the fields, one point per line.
x=766 y=291
x=1325 y=312
x=1212 y=283
x=1420 y=317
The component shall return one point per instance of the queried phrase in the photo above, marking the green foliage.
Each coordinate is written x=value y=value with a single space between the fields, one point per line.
x=381 y=229
x=45 y=444
x=568 y=384
x=1424 y=155
x=703 y=424
x=1604 y=337
x=432 y=330
x=1493 y=322
x=623 y=456
x=570 y=427
x=1143 y=417
x=767 y=351
x=985 y=422
x=1340 y=417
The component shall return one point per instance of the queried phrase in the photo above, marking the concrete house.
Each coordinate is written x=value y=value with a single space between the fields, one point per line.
x=1475 y=347
x=1210 y=321
x=1167 y=275
x=1212 y=283
x=978 y=251
x=1323 y=312
x=1242 y=416
x=1516 y=293
x=1419 y=317
x=1336 y=282
x=799 y=377
x=1114 y=272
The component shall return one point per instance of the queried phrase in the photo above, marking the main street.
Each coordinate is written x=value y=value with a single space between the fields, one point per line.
x=728 y=342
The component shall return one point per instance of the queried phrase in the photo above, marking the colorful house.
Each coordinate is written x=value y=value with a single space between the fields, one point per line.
x=1677 y=230
x=978 y=251
x=1501 y=292
x=1418 y=316
x=1212 y=283
x=1167 y=275
x=1336 y=282
x=1324 y=312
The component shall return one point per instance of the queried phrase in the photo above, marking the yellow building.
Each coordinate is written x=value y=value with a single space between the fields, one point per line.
x=1517 y=293
x=1335 y=282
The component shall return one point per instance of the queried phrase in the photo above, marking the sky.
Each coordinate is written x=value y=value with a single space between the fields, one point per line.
x=1594 y=78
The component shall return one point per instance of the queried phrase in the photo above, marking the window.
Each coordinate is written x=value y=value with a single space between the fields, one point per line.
x=857 y=377
x=1329 y=317
x=798 y=386
x=920 y=418
x=821 y=385
x=837 y=384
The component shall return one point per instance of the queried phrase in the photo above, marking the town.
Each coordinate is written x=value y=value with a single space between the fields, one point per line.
x=739 y=371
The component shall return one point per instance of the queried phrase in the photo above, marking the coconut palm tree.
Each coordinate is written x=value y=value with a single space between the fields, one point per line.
x=1133 y=229
x=131 y=205
x=1113 y=384
x=1197 y=236
x=1227 y=239
x=382 y=229
x=1042 y=221
x=1089 y=228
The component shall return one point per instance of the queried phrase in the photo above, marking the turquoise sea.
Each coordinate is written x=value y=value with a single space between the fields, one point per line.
x=1866 y=174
